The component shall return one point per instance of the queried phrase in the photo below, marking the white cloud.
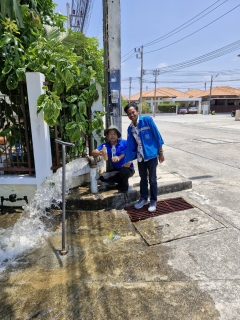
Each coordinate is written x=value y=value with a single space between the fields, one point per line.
x=162 y=65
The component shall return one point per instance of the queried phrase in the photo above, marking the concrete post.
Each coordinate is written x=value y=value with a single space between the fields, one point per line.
x=40 y=130
x=97 y=106
x=114 y=61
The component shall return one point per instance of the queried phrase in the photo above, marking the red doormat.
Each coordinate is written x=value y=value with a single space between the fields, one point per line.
x=163 y=207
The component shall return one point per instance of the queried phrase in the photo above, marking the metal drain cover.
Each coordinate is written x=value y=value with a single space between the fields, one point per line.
x=163 y=207
x=176 y=225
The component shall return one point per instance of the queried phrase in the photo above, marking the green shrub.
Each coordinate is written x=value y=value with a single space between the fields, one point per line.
x=145 y=108
x=167 y=107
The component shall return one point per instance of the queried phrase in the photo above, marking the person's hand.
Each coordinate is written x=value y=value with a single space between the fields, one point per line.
x=115 y=159
x=97 y=153
x=161 y=157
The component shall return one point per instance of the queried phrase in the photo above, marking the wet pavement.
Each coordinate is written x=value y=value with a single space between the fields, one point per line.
x=186 y=268
x=101 y=278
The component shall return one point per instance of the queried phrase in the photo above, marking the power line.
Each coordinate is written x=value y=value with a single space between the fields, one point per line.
x=193 y=32
x=212 y=55
x=156 y=40
x=171 y=33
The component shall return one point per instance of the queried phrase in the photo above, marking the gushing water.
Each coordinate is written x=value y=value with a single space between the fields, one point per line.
x=29 y=231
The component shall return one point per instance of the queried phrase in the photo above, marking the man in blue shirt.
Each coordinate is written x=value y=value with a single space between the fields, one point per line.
x=118 y=173
x=144 y=143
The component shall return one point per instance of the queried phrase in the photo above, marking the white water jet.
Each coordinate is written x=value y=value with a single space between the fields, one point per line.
x=29 y=231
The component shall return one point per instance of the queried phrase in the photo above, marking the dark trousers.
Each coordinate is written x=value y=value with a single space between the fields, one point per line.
x=148 y=171
x=120 y=177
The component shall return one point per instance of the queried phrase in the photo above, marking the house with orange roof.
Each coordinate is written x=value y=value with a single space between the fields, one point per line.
x=194 y=93
x=166 y=95
x=222 y=98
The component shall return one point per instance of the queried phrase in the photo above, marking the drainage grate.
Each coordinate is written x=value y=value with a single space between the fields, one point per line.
x=163 y=207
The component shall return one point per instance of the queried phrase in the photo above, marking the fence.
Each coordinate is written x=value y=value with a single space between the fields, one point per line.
x=16 y=151
x=16 y=148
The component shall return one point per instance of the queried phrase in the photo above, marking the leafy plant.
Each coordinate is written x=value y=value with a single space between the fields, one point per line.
x=167 y=107
x=32 y=40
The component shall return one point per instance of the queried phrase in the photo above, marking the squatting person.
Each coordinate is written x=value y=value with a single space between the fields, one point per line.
x=117 y=173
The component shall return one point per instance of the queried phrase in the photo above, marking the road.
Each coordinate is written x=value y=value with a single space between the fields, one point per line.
x=206 y=150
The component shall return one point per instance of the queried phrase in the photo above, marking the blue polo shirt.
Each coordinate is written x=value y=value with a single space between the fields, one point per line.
x=120 y=149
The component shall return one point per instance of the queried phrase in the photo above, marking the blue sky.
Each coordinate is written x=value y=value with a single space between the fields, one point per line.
x=145 y=21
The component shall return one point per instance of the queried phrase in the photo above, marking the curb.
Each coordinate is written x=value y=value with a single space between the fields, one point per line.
x=114 y=199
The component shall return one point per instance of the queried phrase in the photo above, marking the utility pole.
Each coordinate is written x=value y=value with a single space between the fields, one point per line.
x=112 y=62
x=139 y=55
x=130 y=87
x=68 y=16
x=210 y=94
x=155 y=73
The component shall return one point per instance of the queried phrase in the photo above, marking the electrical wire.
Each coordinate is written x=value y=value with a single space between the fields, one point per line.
x=168 y=34
x=212 y=55
x=193 y=32
x=172 y=32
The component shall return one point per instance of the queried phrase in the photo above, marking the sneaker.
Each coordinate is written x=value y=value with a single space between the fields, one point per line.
x=140 y=203
x=152 y=206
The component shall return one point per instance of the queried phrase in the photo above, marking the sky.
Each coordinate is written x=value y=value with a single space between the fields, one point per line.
x=187 y=34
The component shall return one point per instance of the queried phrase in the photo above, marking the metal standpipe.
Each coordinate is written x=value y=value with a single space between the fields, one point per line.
x=64 y=144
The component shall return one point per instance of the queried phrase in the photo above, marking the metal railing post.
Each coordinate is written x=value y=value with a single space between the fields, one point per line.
x=64 y=144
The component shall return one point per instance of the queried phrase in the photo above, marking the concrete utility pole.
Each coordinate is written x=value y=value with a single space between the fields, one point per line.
x=68 y=16
x=112 y=62
x=156 y=72
x=139 y=55
x=210 y=94
x=130 y=87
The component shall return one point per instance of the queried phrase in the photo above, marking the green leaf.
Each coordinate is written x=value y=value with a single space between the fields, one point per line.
x=33 y=65
x=73 y=108
x=12 y=81
x=21 y=73
x=75 y=136
x=7 y=68
x=72 y=98
x=58 y=86
x=41 y=99
x=82 y=107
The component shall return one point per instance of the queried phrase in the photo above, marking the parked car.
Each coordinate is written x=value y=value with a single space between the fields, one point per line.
x=192 y=110
x=182 y=110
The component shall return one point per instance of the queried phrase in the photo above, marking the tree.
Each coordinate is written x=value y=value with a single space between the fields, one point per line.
x=30 y=41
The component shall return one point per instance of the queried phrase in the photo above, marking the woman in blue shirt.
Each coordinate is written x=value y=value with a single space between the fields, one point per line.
x=117 y=174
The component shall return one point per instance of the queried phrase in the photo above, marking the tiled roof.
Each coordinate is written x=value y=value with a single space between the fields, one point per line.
x=222 y=91
x=195 y=93
x=136 y=96
x=160 y=93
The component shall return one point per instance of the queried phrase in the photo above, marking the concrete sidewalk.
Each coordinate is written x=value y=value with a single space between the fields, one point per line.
x=178 y=266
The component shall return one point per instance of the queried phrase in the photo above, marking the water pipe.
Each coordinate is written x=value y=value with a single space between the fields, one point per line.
x=64 y=144
x=93 y=172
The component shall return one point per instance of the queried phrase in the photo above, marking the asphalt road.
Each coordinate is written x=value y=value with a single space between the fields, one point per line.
x=206 y=150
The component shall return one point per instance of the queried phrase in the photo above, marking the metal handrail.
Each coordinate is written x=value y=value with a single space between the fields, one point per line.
x=64 y=144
